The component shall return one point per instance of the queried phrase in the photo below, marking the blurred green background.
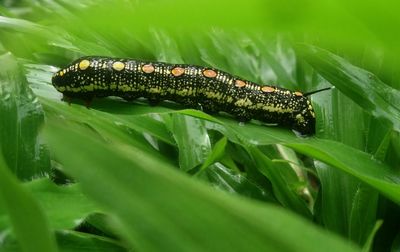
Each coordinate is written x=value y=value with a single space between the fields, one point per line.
x=130 y=177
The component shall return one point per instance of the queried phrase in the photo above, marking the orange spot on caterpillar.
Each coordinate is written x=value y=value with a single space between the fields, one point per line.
x=149 y=68
x=209 y=73
x=268 y=89
x=240 y=83
x=177 y=71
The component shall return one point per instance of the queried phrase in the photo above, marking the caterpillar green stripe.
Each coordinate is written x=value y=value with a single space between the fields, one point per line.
x=193 y=86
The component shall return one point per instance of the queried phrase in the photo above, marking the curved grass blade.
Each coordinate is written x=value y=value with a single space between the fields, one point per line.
x=71 y=241
x=53 y=198
x=28 y=219
x=192 y=139
x=361 y=86
x=157 y=208
x=21 y=117
x=354 y=162
x=276 y=172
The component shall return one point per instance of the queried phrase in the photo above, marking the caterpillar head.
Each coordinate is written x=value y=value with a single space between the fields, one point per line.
x=58 y=81
x=304 y=119
x=74 y=79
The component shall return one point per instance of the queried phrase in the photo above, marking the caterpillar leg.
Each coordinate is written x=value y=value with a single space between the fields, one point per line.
x=153 y=101
x=130 y=97
x=67 y=99
x=88 y=101
x=242 y=116
x=208 y=107
x=188 y=102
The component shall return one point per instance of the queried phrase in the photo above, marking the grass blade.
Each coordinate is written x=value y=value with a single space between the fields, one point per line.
x=28 y=219
x=361 y=86
x=139 y=192
x=21 y=117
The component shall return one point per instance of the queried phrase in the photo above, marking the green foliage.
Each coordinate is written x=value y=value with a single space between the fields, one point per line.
x=127 y=176
x=28 y=219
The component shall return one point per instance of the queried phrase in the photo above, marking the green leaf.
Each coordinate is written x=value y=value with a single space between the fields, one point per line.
x=343 y=157
x=361 y=86
x=216 y=154
x=53 y=198
x=350 y=211
x=139 y=192
x=28 y=219
x=21 y=117
x=70 y=241
x=354 y=162
x=235 y=182
x=369 y=243
x=192 y=139
x=346 y=206
x=276 y=173
x=130 y=129
x=75 y=242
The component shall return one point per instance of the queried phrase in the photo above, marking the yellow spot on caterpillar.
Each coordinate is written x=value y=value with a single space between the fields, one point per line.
x=209 y=73
x=272 y=108
x=88 y=87
x=61 y=73
x=240 y=83
x=148 y=68
x=217 y=95
x=268 y=89
x=298 y=93
x=118 y=65
x=84 y=64
x=243 y=103
x=177 y=71
x=113 y=86
x=182 y=92
x=124 y=87
x=300 y=118
x=154 y=90
x=170 y=90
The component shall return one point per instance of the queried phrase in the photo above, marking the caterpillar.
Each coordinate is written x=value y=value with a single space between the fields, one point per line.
x=207 y=88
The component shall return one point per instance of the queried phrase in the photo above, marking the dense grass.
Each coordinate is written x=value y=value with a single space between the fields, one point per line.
x=126 y=176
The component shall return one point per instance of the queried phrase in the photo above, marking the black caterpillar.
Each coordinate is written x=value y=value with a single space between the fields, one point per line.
x=207 y=88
